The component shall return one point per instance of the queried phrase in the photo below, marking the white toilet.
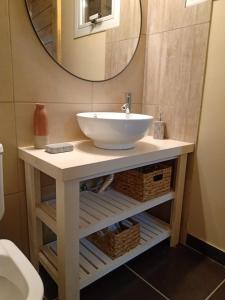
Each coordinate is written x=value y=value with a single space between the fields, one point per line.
x=18 y=278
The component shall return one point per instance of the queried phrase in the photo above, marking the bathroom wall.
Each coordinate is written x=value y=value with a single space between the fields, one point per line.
x=206 y=189
x=176 y=40
x=175 y=64
x=89 y=50
x=28 y=75
x=121 y=41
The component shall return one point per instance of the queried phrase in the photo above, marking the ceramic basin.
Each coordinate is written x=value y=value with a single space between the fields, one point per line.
x=114 y=130
x=18 y=278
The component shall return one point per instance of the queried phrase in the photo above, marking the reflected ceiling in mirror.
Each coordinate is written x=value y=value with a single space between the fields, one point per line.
x=92 y=39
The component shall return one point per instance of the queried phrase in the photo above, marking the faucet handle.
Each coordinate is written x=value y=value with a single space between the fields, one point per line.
x=125 y=108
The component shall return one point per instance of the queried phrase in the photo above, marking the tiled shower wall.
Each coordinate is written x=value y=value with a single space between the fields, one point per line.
x=175 y=58
x=175 y=64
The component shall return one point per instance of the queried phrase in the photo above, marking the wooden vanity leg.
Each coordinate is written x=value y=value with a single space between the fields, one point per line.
x=178 y=200
x=33 y=195
x=67 y=217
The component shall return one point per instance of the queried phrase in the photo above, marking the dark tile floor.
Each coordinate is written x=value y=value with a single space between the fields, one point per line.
x=161 y=273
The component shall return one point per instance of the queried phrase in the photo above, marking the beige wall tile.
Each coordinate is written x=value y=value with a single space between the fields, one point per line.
x=152 y=69
x=4 y=8
x=144 y=6
x=129 y=24
x=175 y=66
x=198 y=64
x=174 y=75
x=62 y=122
x=121 y=53
x=8 y=139
x=135 y=108
x=165 y=15
x=131 y=80
x=14 y=223
x=36 y=76
x=167 y=112
x=178 y=122
x=6 y=91
x=108 y=60
x=193 y=113
x=151 y=110
x=182 y=121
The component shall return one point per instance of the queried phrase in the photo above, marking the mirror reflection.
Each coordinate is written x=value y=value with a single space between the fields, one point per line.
x=92 y=39
x=101 y=7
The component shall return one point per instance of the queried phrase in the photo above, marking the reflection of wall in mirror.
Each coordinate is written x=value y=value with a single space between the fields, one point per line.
x=97 y=56
x=121 y=42
x=84 y=56
x=104 y=54
x=42 y=15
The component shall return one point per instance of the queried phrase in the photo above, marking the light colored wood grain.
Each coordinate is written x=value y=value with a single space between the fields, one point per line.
x=67 y=217
x=47 y=216
x=86 y=160
x=33 y=195
x=46 y=263
x=94 y=263
x=176 y=210
x=96 y=210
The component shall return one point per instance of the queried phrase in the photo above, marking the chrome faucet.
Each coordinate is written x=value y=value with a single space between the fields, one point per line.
x=126 y=107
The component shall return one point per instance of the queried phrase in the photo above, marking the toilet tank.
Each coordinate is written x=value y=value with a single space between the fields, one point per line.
x=2 y=206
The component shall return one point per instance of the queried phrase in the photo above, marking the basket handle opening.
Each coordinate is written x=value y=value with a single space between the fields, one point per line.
x=158 y=177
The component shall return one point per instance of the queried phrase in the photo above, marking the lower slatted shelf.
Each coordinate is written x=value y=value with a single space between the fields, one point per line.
x=94 y=263
x=98 y=211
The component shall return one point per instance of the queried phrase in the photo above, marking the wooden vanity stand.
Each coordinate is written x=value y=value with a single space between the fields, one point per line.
x=72 y=216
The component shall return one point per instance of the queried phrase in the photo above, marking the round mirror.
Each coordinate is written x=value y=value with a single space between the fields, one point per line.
x=92 y=39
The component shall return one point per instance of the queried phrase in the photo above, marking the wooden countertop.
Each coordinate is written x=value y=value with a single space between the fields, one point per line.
x=87 y=161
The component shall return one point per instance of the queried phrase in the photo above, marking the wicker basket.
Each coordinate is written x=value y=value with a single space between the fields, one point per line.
x=117 y=243
x=144 y=183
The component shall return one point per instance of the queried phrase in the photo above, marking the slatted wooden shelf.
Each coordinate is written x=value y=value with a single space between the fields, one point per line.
x=98 y=211
x=94 y=263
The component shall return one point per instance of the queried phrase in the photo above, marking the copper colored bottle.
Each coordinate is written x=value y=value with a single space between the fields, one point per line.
x=40 y=126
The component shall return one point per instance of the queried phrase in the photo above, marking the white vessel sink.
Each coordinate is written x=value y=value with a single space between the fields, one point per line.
x=114 y=130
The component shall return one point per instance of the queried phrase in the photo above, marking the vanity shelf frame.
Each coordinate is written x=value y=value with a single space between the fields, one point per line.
x=69 y=170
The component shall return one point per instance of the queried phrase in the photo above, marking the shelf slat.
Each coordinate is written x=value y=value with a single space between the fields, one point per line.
x=98 y=211
x=94 y=263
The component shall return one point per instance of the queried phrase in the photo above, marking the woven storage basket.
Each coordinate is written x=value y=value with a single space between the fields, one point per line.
x=144 y=183
x=116 y=244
